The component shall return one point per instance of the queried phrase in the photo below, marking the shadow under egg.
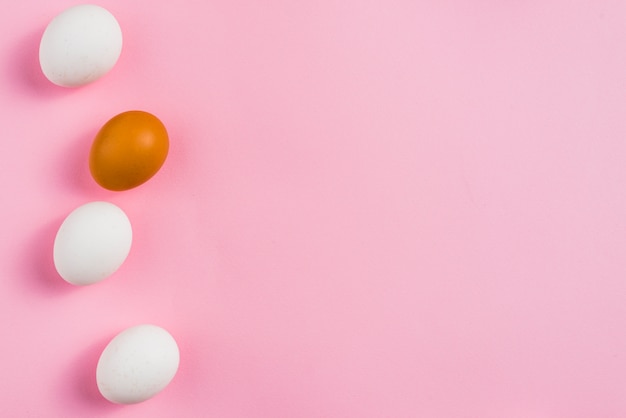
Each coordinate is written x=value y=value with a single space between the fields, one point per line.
x=40 y=274
x=74 y=167
x=25 y=71
x=81 y=378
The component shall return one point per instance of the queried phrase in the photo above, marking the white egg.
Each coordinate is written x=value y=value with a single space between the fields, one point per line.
x=137 y=364
x=80 y=45
x=92 y=243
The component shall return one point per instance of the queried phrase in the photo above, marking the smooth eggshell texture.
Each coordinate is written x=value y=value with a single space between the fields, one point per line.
x=80 y=45
x=128 y=150
x=92 y=243
x=137 y=364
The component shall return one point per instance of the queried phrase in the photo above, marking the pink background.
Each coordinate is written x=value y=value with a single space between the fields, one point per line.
x=371 y=209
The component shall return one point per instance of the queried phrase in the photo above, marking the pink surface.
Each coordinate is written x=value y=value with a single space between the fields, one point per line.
x=370 y=209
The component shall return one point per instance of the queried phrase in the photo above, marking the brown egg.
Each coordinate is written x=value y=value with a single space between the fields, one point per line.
x=129 y=149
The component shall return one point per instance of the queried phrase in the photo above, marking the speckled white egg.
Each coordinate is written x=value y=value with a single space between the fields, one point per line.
x=80 y=45
x=92 y=243
x=137 y=364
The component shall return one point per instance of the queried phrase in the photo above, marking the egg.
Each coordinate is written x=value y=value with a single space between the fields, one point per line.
x=137 y=364
x=92 y=243
x=128 y=150
x=80 y=45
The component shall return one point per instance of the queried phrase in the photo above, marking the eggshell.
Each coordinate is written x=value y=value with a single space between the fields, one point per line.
x=137 y=364
x=128 y=150
x=92 y=243
x=80 y=45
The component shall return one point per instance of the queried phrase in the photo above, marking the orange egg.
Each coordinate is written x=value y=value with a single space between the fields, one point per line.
x=129 y=149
